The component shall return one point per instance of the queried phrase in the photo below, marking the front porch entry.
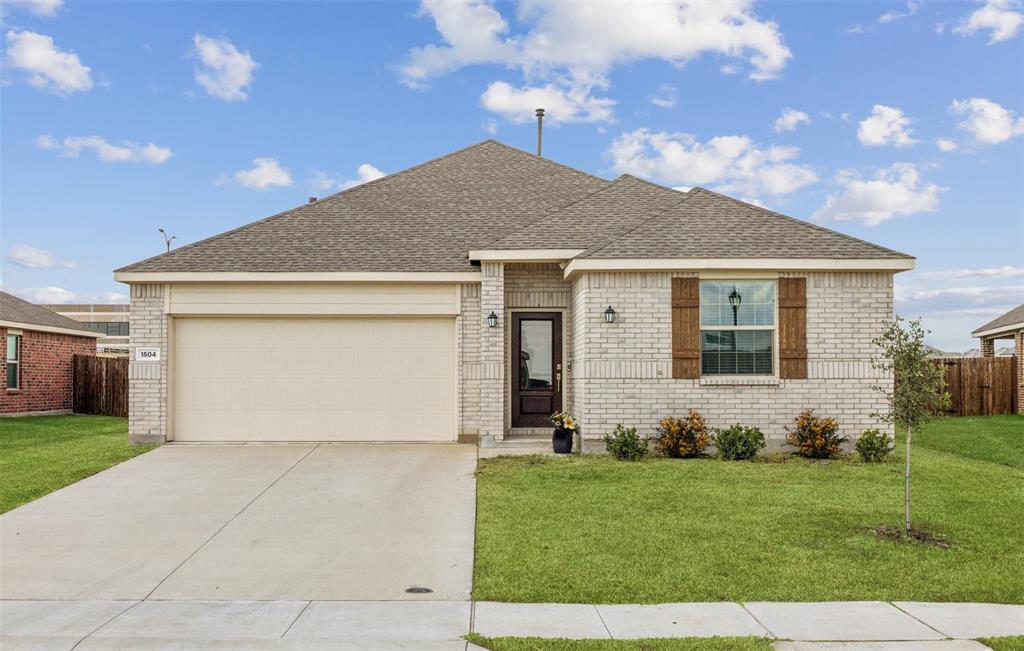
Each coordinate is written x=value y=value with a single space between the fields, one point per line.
x=536 y=365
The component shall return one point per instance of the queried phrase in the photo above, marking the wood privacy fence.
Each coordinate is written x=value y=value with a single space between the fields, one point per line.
x=101 y=385
x=980 y=386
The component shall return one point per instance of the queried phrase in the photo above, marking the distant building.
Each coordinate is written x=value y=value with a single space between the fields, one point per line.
x=108 y=319
x=1006 y=326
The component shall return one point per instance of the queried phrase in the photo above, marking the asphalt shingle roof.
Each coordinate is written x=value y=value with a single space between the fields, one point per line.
x=492 y=196
x=15 y=309
x=1016 y=315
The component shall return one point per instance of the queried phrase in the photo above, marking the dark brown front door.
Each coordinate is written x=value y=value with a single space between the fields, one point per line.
x=536 y=367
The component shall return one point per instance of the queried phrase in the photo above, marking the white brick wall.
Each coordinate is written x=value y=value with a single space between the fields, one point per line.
x=147 y=381
x=492 y=351
x=622 y=372
x=468 y=327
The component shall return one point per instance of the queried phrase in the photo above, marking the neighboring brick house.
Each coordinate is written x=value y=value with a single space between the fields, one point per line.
x=472 y=295
x=38 y=346
x=1006 y=326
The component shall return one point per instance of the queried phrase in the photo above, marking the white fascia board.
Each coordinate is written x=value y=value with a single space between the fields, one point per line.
x=1006 y=329
x=297 y=277
x=524 y=255
x=740 y=264
x=54 y=329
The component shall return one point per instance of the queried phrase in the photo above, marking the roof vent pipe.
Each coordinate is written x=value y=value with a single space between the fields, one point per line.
x=540 y=126
x=312 y=200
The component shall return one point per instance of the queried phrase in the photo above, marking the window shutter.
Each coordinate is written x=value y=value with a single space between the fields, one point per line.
x=685 y=328
x=793 y=328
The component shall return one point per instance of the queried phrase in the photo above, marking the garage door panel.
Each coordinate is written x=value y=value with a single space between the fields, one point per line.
x=341 y=379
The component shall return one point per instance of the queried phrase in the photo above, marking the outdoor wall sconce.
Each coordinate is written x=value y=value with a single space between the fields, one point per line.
x=609 y=315
x=492 y=320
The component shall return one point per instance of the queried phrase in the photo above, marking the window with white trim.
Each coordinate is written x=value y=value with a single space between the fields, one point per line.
x=737 y=327
x=13 y=362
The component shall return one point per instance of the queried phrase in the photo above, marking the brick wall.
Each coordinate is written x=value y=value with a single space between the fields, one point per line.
x=46 y=375
x=622 y=371
x=468 y=326
x=147 y=381
x=492 y=350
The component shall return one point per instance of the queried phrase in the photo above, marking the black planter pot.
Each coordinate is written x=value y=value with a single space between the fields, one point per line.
x=561 y=441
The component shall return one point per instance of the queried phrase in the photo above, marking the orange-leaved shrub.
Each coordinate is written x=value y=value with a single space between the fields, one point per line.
x=814 y=437
x=682 y=437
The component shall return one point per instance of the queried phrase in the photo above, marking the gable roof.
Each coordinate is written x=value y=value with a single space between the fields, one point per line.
x=14 y=310
x=1014 y=317
x=492 y=196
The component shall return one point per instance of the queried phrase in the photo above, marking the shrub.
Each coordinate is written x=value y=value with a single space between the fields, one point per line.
x=683 y=437
x=874 y=446
x=815 y=438
x=625 y=444
x=739 y=442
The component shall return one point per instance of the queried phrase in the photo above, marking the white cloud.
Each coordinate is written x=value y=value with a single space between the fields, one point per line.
x=664 y=96
x=975 y=296
x=559 y=104
x=893 y=15
x=490 y=125
x=47 y=66
x=885 y=126
x=891 y=192
x=731 y=163
x=1001 y=18
x=572 y=47
x=30 y=257
x=325 y=182
x=946 y=144
x=47 y=295
x=265 y=173
x=790 y=119
x=987 y=122
x=226 y=72
x=126 y=152
x=1006 y=271
x=42 y=8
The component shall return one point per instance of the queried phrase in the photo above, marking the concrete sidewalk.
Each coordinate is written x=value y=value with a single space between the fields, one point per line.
x=429 y=625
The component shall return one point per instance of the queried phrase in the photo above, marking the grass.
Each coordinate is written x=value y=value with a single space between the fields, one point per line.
x=39 y=454
x=999 y=439
x=1013 y=643
x=596 y=530
x=660 y=644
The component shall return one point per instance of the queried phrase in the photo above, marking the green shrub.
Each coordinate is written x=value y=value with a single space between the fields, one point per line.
x=682 y=438
x=874 y=446
x=814 y=437
x=625 y=444
x=739 y=443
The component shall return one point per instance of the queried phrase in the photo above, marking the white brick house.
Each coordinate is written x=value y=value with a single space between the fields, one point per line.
x=471 y=296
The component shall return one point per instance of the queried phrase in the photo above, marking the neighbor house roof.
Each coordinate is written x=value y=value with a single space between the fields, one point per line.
x=494 y=197
x=16 y=313
x=1012 y=320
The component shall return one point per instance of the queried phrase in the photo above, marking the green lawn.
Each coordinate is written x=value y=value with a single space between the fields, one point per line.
x=596 y=530
x=1014 y=643
x=660 y=644
x=39 y=454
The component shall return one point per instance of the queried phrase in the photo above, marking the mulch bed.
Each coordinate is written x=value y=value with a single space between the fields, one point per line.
x=914 y=535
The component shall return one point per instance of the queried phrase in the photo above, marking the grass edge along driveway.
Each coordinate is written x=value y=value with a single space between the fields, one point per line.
x=39 y=454
x=597 y=530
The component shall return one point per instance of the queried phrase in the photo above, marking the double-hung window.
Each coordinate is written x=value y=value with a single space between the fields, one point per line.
x=13 y=362
x=737 y=327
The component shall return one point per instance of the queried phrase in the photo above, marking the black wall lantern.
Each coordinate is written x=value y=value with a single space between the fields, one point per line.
x=492 y=319
x=734 y=300
x=609 y=315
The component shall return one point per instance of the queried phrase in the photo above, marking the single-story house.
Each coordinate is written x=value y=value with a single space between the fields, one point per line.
x=1006 y=326
x=473 y=295
x=38 y=346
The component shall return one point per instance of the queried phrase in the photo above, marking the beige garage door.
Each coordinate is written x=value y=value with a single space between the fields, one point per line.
x=324 y=379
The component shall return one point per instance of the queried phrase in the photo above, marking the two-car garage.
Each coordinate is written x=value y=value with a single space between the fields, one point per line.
x=319 y=365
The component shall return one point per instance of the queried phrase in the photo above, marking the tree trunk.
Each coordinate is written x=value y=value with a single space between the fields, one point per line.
x=906 y=484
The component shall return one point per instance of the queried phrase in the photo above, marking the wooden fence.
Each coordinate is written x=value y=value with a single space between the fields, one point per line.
x=101 y=385
x=981 y=386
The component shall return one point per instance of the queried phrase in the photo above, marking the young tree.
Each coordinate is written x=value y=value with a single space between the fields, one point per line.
x=917 y=392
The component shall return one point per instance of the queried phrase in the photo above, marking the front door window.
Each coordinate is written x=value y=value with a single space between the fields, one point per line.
x=537 y=367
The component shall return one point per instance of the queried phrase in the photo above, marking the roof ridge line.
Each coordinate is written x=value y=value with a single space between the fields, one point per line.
x=648 y=182
x=284 y=213
x=609 y=242
x=801 y=221
x=546 y=160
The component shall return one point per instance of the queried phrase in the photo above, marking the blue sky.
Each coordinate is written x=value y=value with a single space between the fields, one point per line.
x=896 y=122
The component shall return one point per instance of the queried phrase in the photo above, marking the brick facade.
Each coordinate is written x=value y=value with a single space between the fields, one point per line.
x=46 y=375
x=147 y=381
x=988 y=347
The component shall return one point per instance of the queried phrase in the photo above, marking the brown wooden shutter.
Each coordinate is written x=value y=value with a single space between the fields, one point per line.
x=793 y=328
x=685 y=328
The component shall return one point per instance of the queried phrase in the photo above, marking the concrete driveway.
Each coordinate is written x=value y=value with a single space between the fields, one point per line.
x=252 y=522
